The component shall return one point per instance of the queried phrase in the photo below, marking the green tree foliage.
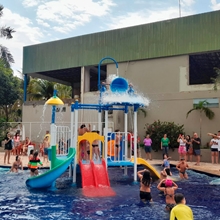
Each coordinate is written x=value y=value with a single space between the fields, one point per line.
x=216 y=80
x=157 y=130
x=10 y=90
x=5 y=32
x=39 y=89
x=201 y=107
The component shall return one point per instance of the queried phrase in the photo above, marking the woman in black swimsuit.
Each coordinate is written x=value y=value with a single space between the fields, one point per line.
x=145 y=191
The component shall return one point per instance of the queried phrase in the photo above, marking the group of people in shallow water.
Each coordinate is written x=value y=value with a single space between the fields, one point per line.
x=175 y=203
x=33 y=163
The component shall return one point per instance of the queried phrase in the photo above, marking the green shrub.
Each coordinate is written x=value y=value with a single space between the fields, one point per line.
x=157 y=130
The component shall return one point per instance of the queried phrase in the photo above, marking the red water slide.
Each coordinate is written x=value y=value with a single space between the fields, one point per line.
x=87 y=174
x=94 y=174
x=100 y=174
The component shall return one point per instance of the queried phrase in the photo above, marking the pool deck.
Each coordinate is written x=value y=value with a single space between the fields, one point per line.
x=24 y=161
x=212 y=169
x=209 y=168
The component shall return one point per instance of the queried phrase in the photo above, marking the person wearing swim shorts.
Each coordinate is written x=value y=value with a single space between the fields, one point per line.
x=145 y=182
x=182 y=166
x=181 y=211
x=169 y=191
x=182 y=146
x=95 y=147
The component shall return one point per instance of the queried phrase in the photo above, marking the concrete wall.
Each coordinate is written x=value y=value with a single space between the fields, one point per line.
x=205 y=155
x=165 y=82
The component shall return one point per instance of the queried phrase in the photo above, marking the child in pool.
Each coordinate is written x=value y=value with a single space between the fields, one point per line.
x=30 y=157
x=182 y=166
x=34 y=161
x=16 y=165
x=166 y=165
x=145 y=191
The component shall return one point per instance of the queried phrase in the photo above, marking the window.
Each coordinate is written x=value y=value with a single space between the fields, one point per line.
x=212 y=102
x=202 y=67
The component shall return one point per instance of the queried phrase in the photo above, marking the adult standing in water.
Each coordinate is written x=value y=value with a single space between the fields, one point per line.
x=165 y=141
x=196 y=142
x=8 y=147
x=81 y=131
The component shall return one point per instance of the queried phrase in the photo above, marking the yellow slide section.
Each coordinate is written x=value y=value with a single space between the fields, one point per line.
x=145 y=163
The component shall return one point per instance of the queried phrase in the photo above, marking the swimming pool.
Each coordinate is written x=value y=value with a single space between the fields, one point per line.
x=18 y=202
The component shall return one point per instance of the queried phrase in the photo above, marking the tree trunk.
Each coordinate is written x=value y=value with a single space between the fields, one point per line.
x=6 y=113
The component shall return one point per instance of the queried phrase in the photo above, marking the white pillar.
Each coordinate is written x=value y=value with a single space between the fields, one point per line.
x=135 y=145
x=75 y=143
x=100 y=122
x=126 y=140
x=106 y=136
x=82 y=90
x=86 y=79
x=71 y=140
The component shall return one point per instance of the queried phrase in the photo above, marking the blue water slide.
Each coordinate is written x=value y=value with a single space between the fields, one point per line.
x=46 y=179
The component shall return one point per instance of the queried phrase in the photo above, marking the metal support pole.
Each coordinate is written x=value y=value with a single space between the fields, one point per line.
x=126 y=138
x=25 y=87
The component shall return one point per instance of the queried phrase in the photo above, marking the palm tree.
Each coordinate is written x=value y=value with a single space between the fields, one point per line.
x=39 y=89
x=5 y=32
x=216 y=80
x=202 y=108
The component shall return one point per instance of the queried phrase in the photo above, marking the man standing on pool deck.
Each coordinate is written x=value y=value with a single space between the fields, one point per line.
x=196 y=142
x=181 y=211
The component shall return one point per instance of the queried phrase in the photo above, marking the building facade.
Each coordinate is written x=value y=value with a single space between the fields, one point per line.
x=171 y=62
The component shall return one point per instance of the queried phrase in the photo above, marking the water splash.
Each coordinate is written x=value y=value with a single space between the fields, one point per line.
x=42 y=120
x=110 y=98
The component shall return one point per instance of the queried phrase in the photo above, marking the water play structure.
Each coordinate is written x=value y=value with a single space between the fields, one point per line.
x=119 y=97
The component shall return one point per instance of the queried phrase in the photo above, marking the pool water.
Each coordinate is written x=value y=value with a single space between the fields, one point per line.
x=19 y=202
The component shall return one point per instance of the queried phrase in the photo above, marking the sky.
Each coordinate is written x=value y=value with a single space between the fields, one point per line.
x=39 y=21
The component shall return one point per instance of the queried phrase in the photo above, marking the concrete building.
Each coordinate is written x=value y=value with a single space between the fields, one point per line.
x=171 y=62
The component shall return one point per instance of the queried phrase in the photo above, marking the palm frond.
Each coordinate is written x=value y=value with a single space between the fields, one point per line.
x=187 y=114
x=6 y=32
x=144 y=111
x=1 y=10
x=6 y=56
x=216 y=80
x=208 y=113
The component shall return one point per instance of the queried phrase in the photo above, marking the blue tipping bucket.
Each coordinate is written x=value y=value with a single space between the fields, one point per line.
x=119 y=85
